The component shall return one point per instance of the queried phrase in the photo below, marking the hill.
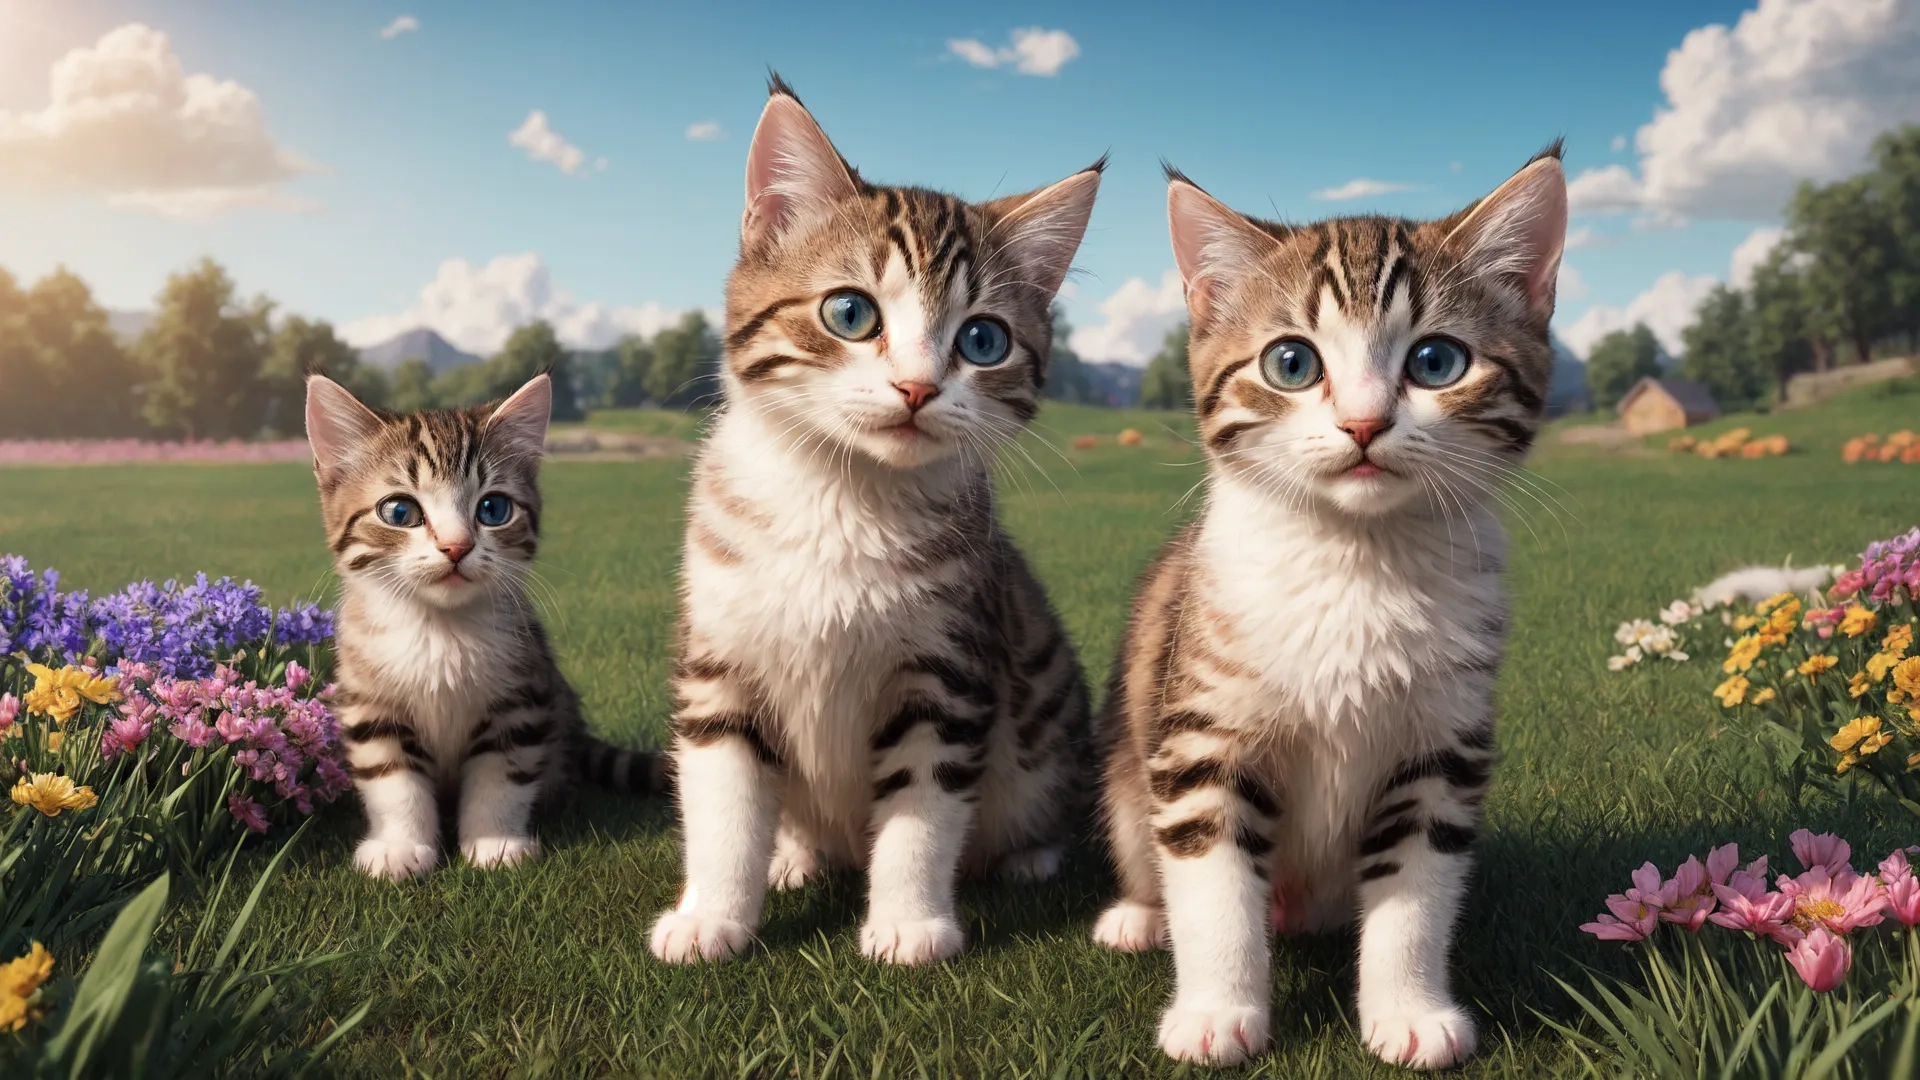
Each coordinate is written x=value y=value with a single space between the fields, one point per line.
x=418 y=344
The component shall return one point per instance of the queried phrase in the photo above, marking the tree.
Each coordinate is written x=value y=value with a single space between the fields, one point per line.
x=303 y=347
x=204 y=355
x=1067 y=378
x=64 y=372
x=634 y=361
x=1895 y=180
x=1167 y=383
x=685 y=372
x=1847 y=237
x=1620 y=360
x=412 y=386
x=532 y=349
x=1719 y=350
x=1782 y=334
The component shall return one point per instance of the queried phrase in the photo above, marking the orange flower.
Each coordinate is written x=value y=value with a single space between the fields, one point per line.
x=1857 y=621
x=1816 y=664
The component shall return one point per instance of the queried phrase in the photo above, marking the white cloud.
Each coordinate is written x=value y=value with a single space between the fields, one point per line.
x=476 y=308
x=1794 y=90
x=1570 y=286
x=1135 y=317
x=405 y=24
x=1033 y=51
x=206 y=202
x=1585 y=236
x=1360 y=188
x=1619 y=143
x=542 y=143
x=1752 y=252
x=125 y=120
x=1667 y=308
x=704 y=131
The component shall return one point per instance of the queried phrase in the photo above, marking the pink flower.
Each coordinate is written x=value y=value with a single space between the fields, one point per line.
x=1839 y=903
x=1632 y=919
x=1903 y=901
x=1747 y=904
x=247 y=812
x=1825 y=850
x=297 y=676
x=1895 y=867
x=122 y=735
x=9 y=709
x=1821 y=959
x=1688 y=898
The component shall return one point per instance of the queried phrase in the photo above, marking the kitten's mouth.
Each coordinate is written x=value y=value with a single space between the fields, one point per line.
x=906 y=429
x=1367 y=470
x=453 y=576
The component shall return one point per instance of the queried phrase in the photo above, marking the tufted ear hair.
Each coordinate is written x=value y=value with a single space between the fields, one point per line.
x=1519 y=231
x=1212 y=244
x=1042 y=229
x=522 y=419
x=793 y=171
x=338 y=426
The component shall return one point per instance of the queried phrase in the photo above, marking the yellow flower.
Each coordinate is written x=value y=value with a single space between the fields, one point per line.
x=1880 y=663
x=58 y=693
x=1906 y=675
x=1732 y=692
x=1858 y=684
x=1858 y=728
x=1744 y=623
x=1857 y=621
x=51 y=793
x=1872 y=744
x=1816 y=664
x=1846 y=763
x=1742 y=656
x=55 y=739
x=1762 y=696
x=1899 y=638
x=1774 y=601
x=18 y=981
x=1784 y=618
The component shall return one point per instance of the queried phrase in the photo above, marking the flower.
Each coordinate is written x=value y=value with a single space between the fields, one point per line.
x=1634 y=914
x=1879 y=664
x=1626 y=659
x=1762 y=696
x=19 y=980
x=1816 y=664
x=1860 y=727
x=1899 y=638
x=1824 y=850
x=58 y=693
x=1633 y=633
x=1821 y=959
x=51 y=793
x=1774 y=601
x=1747 y=904
x=1902 y=889
x=1857 y=621
x=297 y=676
x=247 y=812
x=1732 y=692
x=123 y=735
x=1906 y=675
x=1743 y=623
x=1679 y=612
x=9 y=709
x=1858 y=683
x=1842 y=901
x=1744 y=652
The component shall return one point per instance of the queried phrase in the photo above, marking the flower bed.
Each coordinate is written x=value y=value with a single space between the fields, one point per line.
x=1738 y=442
x=128 y=451
x=1902 y=446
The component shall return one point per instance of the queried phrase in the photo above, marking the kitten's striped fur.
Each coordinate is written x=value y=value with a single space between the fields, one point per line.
x=448 y=690
x=868 y=673
x=1301 y=717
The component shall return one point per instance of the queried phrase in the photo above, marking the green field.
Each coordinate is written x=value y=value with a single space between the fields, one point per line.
x=544 y=970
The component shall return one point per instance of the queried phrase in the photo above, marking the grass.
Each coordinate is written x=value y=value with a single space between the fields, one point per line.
x=544 y=970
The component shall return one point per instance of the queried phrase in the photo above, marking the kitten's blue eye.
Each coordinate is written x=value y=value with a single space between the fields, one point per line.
x=983 y=341
x=850 y=315
x=1290 y=365
x=1436 y=362
x=495 y=510
x=400 y=512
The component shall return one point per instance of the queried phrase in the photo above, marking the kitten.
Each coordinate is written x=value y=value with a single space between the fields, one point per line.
x=868 y=673
x=1301 y=716
x=446 y=685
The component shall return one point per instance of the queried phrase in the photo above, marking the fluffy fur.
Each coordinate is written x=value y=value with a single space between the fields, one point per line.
x=1301 y=717
x=1755 y=583
x=868 y=673
x=448 y=690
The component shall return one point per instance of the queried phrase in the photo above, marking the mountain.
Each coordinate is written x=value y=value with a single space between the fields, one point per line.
x=1567 y=386
x=129 y=325
x=418 y=344
x=1114 y=383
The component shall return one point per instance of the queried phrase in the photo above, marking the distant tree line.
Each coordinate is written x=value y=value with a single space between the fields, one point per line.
x=1843 y=286
x=215 y=365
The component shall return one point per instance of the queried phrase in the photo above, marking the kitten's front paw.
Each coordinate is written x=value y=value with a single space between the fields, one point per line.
x=683 y=937
x=910 y=942
x=792 y=867
x=487 y=852
x=1429 y=1039
x=395 y=860
x=1221 y=1036
x=1129 y=926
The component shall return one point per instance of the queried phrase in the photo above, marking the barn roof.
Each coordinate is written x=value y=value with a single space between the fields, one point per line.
x=1692 y=397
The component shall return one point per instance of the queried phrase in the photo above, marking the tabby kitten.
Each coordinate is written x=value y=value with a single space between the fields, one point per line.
x=868 y=673
x=446 y=686
x=1302 y=714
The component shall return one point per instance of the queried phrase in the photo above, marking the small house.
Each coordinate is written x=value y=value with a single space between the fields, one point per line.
x=1666 y=404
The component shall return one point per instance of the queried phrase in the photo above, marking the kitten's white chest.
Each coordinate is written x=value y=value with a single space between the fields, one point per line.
x=445 y=668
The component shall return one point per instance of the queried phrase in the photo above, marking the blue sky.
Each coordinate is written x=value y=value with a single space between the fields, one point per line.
x=377 y=159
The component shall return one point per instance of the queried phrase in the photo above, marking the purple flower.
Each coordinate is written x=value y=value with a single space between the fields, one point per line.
x=247 y=812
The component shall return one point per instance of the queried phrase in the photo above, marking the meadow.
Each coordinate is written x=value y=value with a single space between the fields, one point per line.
x=544 y=971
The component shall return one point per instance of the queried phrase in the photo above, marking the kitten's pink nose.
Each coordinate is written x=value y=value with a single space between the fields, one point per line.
x=916 y=393
x=456 y=549
x=1365 y=430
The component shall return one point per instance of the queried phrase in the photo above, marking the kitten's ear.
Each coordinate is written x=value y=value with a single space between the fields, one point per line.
x=1518 y=231
x=1042 y=230
x=793 y=170
x=1212 y=244
x=522 y=419
x=338 y=426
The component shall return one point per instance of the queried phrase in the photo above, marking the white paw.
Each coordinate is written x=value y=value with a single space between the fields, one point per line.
x=1223 y=1036
x=490 y=851
x=1037 y=864
x=681 y=937
x=919 y=941
x=1430 y=1039
x=792 y=867
x=395 y=860
x=1129 y=926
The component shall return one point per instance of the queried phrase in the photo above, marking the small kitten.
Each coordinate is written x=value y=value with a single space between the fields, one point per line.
x=868 y=673
x=1302 y=711
x=447 y=687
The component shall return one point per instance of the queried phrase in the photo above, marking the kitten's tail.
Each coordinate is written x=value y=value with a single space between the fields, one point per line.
x=630 y=772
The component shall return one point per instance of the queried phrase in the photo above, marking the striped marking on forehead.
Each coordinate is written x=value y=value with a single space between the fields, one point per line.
x=933 y=236
x=1361 y=263
x=444 y=444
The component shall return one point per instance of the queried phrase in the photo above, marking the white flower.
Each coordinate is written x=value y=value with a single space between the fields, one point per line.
x=1679 y=612
x=1633 y=633
x=1632 y=656
x=1659 y=640
x=1677 y=656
